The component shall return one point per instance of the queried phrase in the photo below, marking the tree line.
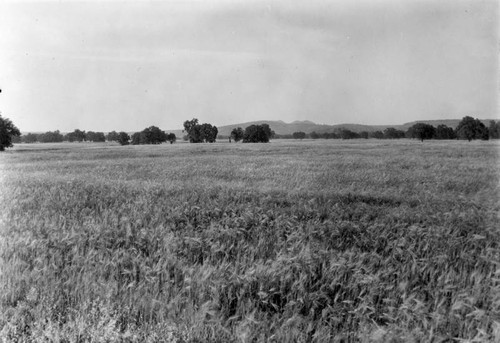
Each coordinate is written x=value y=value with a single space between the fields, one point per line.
x=468 y=128
x=150 y=135
x=252 y=134
x=199 y=133
x=195 y=133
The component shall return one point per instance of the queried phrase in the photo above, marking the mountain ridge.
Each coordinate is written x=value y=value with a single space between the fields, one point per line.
x=282 y=128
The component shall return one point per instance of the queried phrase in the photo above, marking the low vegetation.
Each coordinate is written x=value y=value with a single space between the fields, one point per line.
x=330 y=241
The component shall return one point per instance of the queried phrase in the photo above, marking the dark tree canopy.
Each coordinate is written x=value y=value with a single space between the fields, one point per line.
x=392 y=133
x=189 y=126
x=208 y=133
x=494 y=129
x=364 y=134
x=237 y=134
x=150 y=135
x=421 y=131
x=314 y=135
x=348 y=134
x=445 y=132
x=192 y=130
x=29 y=138
x=7 y=131
x=112 y=136
x=75 y=136
x=197 y=133
x=47 y=137
x=171 y=138
x=470 y=128
x=92 y=136
x=154 y=135
x=258 y=134
x=299 y=135
x=137 y=138
x=50 y=137
x=377 y=134
x=123 y=138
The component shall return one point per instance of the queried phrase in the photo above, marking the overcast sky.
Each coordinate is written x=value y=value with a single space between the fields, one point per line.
x=126 y=65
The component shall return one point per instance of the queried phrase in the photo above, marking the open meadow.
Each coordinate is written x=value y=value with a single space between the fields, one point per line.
x=291 y=241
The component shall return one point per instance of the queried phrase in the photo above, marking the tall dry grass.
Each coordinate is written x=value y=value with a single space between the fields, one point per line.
x=299 y=242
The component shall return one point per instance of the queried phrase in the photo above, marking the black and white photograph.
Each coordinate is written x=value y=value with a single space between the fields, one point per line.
x=236 y=171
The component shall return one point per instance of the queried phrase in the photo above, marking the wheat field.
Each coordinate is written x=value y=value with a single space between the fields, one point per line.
x=310 y=241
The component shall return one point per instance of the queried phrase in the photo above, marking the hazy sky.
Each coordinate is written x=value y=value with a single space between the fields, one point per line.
x=126 y=65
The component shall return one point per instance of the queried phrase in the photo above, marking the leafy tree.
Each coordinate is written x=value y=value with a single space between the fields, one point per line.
x=197 y=133
x=138 y=138
x=208 y=133
x=445 y=132
x=377 y=134
x=421 y=131
x=113 y=136
x=257 y=134
x=150 y=135
x=299 y=135
x=16 y=139
x=364 y=134
x=100 y=137
x=314 y=135
x=494 y=129
x=171 y=138
x=75 y=136
x=50 y=137
x=348 y=134
x=483 y=132
x=192 y=130
x=330 y=135
x=470 y=128
x=270 y=133
x=237 y=134
x=154 y=135
x=7 y=131
x=392 y=133
x=123 y=138
x=95 y=136
x=29 y=138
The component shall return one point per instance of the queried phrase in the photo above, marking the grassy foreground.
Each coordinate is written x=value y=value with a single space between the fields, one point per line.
x=371 y=241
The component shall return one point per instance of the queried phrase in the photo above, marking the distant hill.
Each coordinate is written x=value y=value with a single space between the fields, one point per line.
x=282 y=128
x=307 y=126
